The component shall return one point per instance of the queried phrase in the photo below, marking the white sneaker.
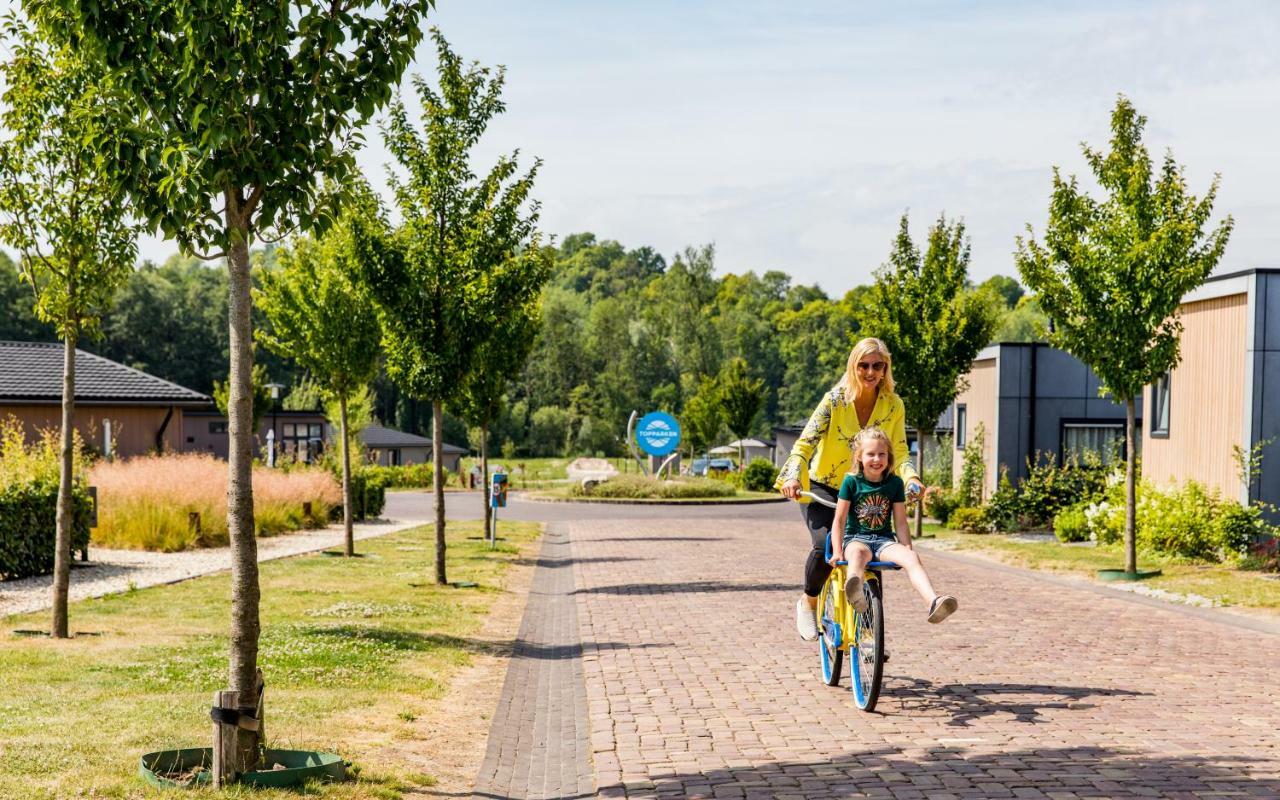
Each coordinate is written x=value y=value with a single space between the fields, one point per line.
x=806 y=621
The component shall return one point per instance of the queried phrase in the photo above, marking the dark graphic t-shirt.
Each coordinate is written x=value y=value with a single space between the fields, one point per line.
x=871 y=504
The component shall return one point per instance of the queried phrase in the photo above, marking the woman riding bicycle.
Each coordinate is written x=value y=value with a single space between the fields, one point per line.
x=863 y=398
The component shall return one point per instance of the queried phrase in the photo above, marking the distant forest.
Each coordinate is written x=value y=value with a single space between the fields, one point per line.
x=622 y=330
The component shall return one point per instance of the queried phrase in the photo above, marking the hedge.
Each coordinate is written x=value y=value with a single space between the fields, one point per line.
x=28 y=527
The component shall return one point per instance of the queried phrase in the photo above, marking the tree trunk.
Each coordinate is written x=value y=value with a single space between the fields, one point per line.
x=484 y=471
x=437 y=479
x=1130 y=491
x=349 y=547
x=245 y=625
x=66 y=477
x=921 y=436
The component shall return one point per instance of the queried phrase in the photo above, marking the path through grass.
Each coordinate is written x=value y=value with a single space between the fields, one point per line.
x=353 y=651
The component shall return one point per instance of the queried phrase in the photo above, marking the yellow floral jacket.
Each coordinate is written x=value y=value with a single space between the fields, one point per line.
x=825 y=446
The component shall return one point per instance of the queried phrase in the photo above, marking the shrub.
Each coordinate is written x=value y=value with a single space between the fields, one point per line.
x=759 y=475
x=145 y=503
x=642 y=487
x=1239 y=527
x=1049 y=488
x=939 y=503
x=1003 y=510
x=406 y=476
x=29 y=476
x=1071 y=525
x=969 y=520
x=1263 y=555
x=368 y=495
x=973 y=470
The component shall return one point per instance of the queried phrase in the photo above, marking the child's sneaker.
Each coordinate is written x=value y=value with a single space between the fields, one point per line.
x=943 y=606
x=854 y=594
x=806 y=622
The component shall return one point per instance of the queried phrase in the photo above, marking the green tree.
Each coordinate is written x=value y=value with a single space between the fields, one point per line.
x=703 y=415
x=262 y=400
x=1111 y=273
x=322 y=320
x=18 y=320
x=933 y=325
x=242 y=111
x=1025 y=322
x=66 y=217
x=813 y=343
x=502 y=355
x=1007 y=289
x=442 y=278
x=742 y=397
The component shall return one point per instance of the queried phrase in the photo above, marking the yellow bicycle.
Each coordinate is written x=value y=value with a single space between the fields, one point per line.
x=842 y=629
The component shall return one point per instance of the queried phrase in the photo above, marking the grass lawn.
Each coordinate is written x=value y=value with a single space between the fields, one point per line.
x=354 y=651
x=1218 y=582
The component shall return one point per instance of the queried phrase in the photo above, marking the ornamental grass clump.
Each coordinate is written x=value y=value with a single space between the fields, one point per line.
x=147 y=503
x=640 y=487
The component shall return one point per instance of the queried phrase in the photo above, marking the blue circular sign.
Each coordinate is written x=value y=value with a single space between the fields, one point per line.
x=658 y=433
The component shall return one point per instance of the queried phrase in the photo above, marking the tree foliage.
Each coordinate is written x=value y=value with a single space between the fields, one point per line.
x=465 y=251
x=742 y=397
x=1111 y=273
x=66 y=216
x=239 y=114
x=932 y=324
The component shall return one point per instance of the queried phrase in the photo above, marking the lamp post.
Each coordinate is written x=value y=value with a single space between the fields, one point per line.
x=275 y=406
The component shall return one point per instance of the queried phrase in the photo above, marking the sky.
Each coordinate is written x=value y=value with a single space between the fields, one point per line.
x=794 y=135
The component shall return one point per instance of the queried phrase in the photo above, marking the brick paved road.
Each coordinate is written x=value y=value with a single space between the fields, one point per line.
x=698 y=687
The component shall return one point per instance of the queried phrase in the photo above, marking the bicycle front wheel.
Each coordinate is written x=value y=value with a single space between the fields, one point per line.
x=829 y=638
x=867 y=653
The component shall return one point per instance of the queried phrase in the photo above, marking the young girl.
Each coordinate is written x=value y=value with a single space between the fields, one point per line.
x=878 y=499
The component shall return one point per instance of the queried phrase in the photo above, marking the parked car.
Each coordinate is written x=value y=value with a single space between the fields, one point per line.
x=702 y=466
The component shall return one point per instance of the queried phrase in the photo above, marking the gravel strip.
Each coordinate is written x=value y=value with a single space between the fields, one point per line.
x=112 y=571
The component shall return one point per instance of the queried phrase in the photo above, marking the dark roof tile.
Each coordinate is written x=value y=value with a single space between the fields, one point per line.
x=32 y=371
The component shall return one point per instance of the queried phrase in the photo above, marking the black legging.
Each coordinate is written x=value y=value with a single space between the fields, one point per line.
x=818 y=519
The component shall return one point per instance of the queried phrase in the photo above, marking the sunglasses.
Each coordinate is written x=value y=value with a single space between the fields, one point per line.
x=875 y=366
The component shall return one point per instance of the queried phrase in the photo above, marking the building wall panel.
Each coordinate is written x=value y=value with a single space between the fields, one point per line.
x=132 y=427
x=980 y=402
x=1206 y=400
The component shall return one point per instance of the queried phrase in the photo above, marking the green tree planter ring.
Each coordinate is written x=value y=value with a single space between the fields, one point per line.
x=1123 y=575
x=190 y=768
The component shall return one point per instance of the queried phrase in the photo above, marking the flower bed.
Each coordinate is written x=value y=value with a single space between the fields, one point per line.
x=146 y=503
x=638 y=487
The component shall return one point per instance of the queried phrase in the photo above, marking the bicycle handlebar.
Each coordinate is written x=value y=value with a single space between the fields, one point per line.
x=818 y=499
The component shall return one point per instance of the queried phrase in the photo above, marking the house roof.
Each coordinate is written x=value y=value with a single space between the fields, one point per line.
x=375 y=435
x=31 y=372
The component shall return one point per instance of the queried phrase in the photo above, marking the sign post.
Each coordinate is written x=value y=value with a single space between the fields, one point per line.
x=497 y=500
x=658 y=434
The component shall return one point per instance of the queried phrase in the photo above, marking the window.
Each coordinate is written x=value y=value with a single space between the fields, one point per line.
x=961 y=420
x=394 y=457
x=302 y=440
x=1104 y=439
x=1160 y=407
x=218 y=427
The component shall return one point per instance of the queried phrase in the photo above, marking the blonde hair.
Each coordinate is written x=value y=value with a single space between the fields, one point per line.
x=865 y=437
x=861 y=350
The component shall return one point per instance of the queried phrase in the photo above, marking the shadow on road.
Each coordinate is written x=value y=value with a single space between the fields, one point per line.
x=553 y=563
x=968 y=702
x=690 y=587
x=1071 y=771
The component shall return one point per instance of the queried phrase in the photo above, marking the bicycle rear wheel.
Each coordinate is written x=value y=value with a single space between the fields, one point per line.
x=867 y=653
x=829 y=639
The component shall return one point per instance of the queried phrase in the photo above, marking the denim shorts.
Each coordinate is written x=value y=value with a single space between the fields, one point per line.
x=875 y=543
